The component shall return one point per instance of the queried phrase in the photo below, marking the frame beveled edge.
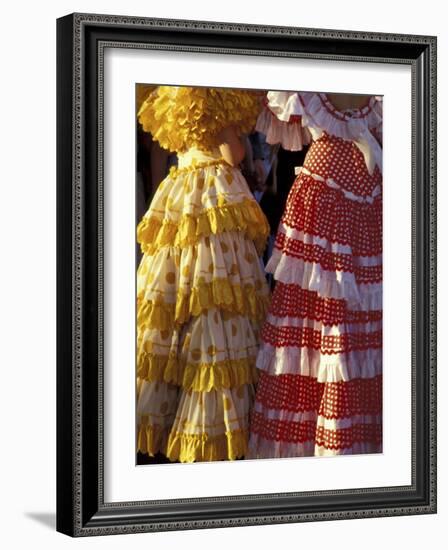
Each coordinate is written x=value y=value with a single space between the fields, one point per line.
x=72 y=518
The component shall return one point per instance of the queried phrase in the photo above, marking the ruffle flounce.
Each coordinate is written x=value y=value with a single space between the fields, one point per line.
x=316 y=112
x=298 y=399
x=291 y=135
x=180 y=117
x=154 y=233
x=184 y=447
x=260 y=447
x=212 y=260
x=214 y=350
x=322 y=212
x=286 y=106
x=324 y=367
x=286 y=434
x=292 y=301
x=314 y=419
x=329 y=284
x=339 y=337
x=223 y=271
x=334 y=257
x=151 y=439
x=206 y=200
x=208 y=425
x=156 y=410
x=220 y=293
x=349 y=125
x=230 y=373
x=211 y=425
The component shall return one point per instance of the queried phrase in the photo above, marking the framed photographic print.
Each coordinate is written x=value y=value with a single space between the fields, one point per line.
x=246 y=274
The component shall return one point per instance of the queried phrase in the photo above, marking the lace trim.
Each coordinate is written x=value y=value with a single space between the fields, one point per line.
x=348 y=113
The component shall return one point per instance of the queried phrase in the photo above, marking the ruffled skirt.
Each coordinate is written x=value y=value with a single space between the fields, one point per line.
x=201 y=297
x=320 y=387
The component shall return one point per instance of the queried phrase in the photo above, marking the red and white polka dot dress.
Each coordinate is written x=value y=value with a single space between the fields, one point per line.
x=320 y=388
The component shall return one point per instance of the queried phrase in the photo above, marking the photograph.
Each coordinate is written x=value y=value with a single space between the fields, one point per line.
x=259 y=224
x=233 y=214
x=246 y=274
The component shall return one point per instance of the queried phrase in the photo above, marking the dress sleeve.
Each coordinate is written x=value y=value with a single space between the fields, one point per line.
x=281 y=121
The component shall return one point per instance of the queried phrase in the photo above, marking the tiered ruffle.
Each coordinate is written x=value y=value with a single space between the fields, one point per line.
x=319 y=392
x=181 y=117
x=205 y=199
x=214 y=350
x=201 y=296
x=290 y=134
x=194 y=425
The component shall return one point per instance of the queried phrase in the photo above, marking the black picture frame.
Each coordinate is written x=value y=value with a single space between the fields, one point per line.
x=81 y=510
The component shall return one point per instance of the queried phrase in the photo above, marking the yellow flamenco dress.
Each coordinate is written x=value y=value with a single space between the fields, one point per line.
x=201 y=289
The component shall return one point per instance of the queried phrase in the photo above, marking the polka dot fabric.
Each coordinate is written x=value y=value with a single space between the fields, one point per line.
x=201 y=298
x=322 y=211
x=320 y=388
x=340 y=160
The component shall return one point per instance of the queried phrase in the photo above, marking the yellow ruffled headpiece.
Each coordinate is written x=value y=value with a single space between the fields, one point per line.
x=181 y=117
